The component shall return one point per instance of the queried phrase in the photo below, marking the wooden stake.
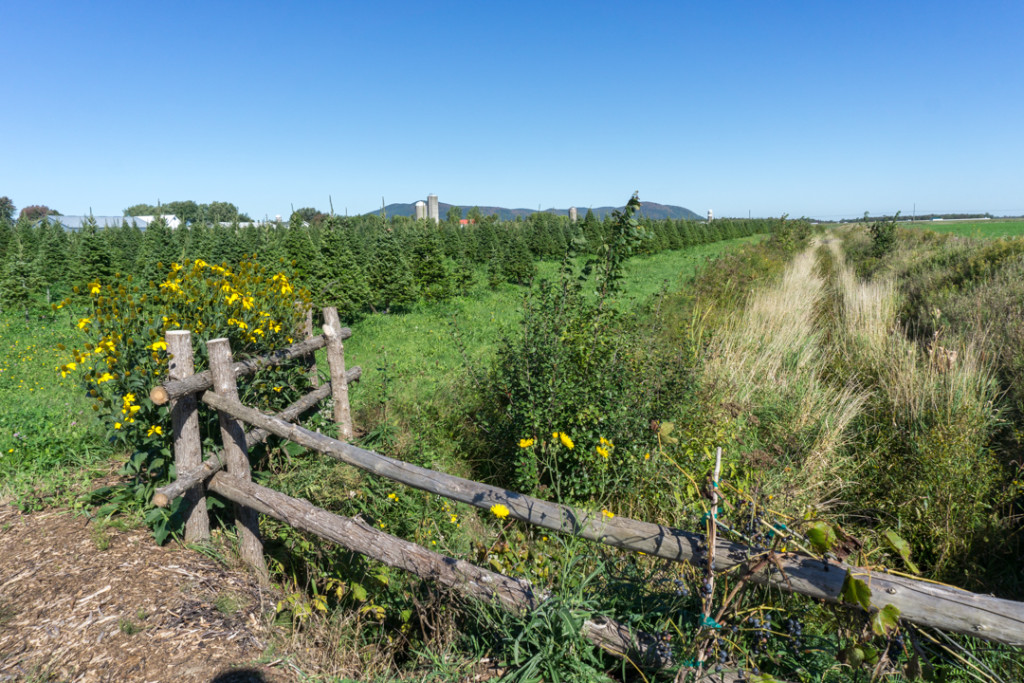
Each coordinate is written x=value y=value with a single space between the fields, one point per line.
x=314 y=376
x=214 y=463
x=514 y=594
x=188 y=447
x=336 y=362
x=236 y=455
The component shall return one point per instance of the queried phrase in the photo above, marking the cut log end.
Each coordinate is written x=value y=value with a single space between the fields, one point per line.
x=160 y=500
x=158 y=395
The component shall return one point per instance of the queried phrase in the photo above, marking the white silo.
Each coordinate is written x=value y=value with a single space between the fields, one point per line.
x=421 y=210
x=432 y=211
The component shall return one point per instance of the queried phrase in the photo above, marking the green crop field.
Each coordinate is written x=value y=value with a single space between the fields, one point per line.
x=996 y=228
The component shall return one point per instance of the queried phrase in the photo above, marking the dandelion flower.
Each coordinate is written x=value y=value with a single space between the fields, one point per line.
x=499 y=511
x=525 y=443
x=647 y=456
x=603 y=452
x=566 y=441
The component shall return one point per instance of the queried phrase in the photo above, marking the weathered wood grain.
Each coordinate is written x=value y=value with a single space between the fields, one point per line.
x=187 y=478
x=466 y=578
x=201 y=381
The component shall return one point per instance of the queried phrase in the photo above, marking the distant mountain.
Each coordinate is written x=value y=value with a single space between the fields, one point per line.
x=649 y=209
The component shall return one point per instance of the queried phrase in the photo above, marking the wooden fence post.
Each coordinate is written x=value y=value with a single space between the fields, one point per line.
x=314 y=376
x=236 y=455
x=336 y=362
x=188 y=447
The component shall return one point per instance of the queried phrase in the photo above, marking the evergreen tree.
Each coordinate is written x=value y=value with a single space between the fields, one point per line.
x=390 y=279
x=518 y=267
x=52 y=261
x=20 y=281
x=429 y=268
x=157 y=252
x=340 y=281
x=94 y=259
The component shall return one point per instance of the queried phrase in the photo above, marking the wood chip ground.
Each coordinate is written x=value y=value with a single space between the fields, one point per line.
x=80 y=605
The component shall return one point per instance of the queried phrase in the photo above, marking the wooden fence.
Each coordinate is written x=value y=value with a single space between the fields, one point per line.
x=227 y=474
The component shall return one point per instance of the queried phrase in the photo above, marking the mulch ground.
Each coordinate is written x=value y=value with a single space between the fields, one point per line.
x=81 y=604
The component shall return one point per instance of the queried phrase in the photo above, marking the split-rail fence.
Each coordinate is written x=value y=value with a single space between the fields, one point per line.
x=227 y=473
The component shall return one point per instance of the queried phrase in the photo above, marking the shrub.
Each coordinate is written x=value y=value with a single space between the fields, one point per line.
x=125 y=353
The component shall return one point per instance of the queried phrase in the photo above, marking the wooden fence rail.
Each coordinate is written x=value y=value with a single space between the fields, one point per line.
x=919 y=601
x=249 y=499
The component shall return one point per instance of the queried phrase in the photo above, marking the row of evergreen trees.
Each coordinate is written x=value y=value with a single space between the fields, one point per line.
x=359 y=264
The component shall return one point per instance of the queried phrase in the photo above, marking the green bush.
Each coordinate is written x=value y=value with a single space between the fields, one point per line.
x=124 y=354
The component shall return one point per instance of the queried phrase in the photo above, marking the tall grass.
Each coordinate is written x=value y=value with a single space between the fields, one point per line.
x=772 y=358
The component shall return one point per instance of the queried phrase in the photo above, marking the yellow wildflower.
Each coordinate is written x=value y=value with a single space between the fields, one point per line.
x=455 y=518
x=603 y=452
x=566 y=441
x=499 y=511
x=608 y=513
x=155 y=429
x=117 y=425
x=525 y=443
x=159 y=346
x=232 y=298
x=647 y=456
x=393 y=496
x=94 y=288
x=83 y=323
x=606 y=442
x=105 y=377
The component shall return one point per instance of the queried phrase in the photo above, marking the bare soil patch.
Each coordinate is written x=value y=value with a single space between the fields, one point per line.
x=83 y=603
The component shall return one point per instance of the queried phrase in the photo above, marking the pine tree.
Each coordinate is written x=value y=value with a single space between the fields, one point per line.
x=20 y=282
x=340 y=281
x=429 y=268
x=157 y=253
x=94 y=259
x=518 y=268
x=389 y=276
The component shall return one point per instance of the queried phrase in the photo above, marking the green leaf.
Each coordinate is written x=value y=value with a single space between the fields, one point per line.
x=358 y=592
x=822 y=537
x=885 y=620
x=855 y=591
x=894 y=541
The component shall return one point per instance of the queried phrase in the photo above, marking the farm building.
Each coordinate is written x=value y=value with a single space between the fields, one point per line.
x=76 y=223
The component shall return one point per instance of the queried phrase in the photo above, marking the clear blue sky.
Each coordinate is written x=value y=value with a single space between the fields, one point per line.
x=824 y=109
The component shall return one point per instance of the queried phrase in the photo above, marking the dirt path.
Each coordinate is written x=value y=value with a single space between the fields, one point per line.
x=82 y=603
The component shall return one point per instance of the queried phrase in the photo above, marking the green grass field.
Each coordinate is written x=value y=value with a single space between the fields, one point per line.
x=991 y=229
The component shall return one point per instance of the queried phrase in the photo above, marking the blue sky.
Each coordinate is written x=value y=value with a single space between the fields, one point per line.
x=824 y=109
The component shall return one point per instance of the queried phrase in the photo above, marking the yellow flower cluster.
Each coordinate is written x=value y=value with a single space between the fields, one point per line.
x=564 y=438
x=525 y=443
